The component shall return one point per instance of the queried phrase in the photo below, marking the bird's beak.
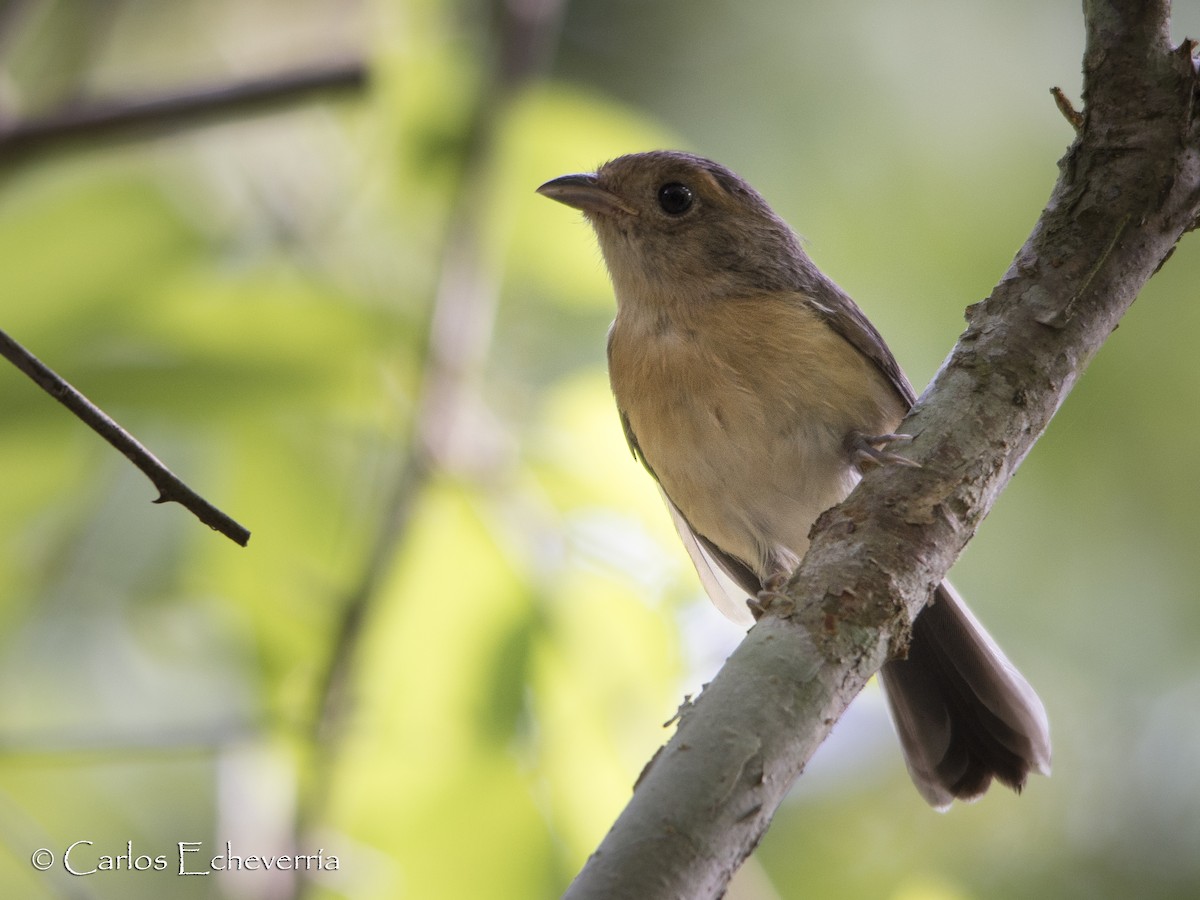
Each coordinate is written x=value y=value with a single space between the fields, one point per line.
x=583 y=192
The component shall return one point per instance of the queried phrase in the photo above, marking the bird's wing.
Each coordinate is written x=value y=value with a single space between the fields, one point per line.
x=727 y=580
x=723 y=588
x=844 y=317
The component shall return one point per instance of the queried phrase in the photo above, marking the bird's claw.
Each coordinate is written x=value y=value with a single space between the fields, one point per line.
x=772 y=598
x=867 y=451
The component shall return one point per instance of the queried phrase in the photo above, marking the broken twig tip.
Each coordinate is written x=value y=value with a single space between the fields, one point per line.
x=1070 y=113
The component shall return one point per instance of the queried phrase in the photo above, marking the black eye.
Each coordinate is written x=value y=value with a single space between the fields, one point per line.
x=675 y=198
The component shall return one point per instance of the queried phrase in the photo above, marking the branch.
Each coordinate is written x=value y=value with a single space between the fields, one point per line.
x=186 y=108
x=1129 y=187
x=170 y=487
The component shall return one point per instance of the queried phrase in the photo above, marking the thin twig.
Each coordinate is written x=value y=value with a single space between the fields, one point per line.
x=170 y=487
x=184 y=108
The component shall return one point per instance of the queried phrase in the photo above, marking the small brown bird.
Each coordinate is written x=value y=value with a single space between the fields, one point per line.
x=753 y=389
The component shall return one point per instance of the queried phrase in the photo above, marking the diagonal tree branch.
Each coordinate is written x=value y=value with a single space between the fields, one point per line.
x=1129 y=188
x=170 y=487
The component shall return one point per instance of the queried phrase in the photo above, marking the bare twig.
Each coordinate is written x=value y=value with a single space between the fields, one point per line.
x=1129 y=187
x=181 y=109
x=170 y=487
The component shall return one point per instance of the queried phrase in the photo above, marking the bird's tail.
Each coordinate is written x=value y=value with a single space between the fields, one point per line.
x=964 y=714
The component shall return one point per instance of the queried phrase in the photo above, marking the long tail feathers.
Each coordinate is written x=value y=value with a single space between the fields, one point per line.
x=964 y=714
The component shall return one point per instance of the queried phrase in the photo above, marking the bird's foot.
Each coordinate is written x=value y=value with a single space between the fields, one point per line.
x=772 y=598
x=867 y=451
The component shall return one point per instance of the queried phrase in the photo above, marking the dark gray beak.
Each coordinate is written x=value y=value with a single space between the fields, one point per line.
x=583 y=192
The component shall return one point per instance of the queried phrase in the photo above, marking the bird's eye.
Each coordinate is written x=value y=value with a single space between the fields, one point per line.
x=675 y=198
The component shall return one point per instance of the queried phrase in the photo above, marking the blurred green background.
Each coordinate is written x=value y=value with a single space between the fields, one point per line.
x=349 y=322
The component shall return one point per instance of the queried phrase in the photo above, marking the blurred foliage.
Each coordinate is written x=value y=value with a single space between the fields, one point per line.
x=252 y=299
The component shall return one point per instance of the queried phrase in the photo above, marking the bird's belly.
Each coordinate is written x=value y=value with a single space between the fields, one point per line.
x=750 y=479
x=742 y=409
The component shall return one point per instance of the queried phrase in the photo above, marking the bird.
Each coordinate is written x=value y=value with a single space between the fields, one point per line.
x=755 y=392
